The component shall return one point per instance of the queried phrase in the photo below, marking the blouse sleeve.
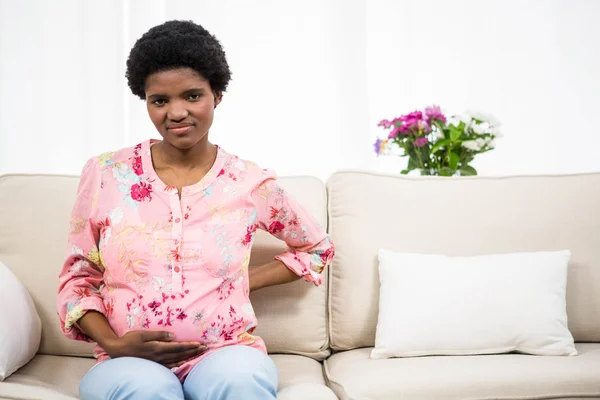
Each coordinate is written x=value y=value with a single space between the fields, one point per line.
x=82 y=273
x=310 y=249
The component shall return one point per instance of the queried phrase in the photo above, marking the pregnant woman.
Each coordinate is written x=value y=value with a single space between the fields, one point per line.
x=157 y=272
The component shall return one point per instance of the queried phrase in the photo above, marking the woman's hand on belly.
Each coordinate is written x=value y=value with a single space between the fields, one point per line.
x=158 y=346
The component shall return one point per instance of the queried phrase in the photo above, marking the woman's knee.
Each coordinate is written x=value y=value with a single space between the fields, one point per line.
x=231 y=371
x=244 y=363
x=241 y=380
x=130 y=378
x=236 y=384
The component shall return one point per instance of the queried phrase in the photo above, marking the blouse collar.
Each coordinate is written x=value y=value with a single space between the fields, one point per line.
x=159 y=185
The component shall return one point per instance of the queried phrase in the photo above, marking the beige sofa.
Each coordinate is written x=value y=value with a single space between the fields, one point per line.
x=320 y=337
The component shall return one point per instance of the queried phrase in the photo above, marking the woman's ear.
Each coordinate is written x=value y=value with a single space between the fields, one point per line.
x=218 y=98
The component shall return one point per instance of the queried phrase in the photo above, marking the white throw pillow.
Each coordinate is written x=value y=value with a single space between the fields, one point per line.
x=489 y=304
x=20 y=325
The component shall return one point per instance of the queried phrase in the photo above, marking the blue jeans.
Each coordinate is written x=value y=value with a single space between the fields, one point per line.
x=236 y=372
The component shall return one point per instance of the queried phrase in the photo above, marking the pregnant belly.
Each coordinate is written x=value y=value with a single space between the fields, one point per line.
x=189 y=320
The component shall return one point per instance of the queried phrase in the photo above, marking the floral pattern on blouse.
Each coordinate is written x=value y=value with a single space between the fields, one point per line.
x=148 y=259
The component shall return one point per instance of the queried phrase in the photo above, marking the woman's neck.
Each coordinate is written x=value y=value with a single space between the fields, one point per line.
x=200 y=156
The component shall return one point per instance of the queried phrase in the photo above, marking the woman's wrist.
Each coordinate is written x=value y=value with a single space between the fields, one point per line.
x=111 y=345
x=273 y=273
x=96 y=326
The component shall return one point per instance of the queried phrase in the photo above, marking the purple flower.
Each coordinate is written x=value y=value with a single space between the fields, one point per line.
x=385 y=123
x=424 y=126
x=415 y=115
x=380 y=146
x=420 y=142
x=410 y=122
x=405 y=129
x=434 y=113
x=395 y=132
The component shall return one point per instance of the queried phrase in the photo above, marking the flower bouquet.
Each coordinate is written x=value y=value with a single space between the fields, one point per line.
x=436 y=145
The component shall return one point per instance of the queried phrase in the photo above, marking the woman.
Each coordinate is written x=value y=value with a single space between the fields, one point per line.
x=160 y=242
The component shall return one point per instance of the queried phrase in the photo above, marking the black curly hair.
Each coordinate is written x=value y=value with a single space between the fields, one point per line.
x=177 y=44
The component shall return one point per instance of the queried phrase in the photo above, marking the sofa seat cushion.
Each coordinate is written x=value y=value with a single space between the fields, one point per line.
x=299 y=377
x=59 y=373
x=18 y=391
x=353 y=375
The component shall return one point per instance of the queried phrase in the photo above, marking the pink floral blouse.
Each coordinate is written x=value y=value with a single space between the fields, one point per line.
x=147 y=259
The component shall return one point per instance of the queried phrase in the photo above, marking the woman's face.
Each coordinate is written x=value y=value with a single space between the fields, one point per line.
x=181 y=105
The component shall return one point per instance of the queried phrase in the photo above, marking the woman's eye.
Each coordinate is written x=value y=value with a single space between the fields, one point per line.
x=194 y=97
x=159 y=102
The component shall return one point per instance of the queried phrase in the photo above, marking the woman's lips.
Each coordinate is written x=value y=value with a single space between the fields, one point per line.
x=180 y=130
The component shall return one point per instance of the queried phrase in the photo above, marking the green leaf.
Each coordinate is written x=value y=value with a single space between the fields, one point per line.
x=445 y=171
x=424 y=153
x=455 y=134
x=467 y=170
x=404 y=171
x=437 y=145
x=411 y=164
x=453 y=161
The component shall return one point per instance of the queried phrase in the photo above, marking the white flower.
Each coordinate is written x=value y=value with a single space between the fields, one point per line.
x=481 y=142
x=466 y=118
x=438 y=134
x=478 y=115
x=457 y=119
x=496 y=132
x=478 y=129
x=471 y=145
x=481 y=128
x=492 y=144
x=485 y=117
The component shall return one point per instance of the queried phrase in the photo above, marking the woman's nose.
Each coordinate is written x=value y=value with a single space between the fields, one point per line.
x=177 y=112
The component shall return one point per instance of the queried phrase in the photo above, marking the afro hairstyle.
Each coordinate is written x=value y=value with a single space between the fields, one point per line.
x=177 y=44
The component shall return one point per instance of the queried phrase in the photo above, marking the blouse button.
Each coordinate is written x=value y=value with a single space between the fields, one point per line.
x=177 y=220
x=177 y=269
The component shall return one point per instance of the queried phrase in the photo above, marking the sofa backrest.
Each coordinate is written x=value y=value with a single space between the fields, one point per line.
x=34 y=221
x=464 y=216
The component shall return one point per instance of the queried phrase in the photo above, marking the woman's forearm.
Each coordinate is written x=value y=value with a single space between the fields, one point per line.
x=96 y=326
x=273 y=273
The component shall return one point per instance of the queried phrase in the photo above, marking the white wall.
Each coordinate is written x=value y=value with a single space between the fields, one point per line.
x=310 y=79
x=533 y=64
x=298 y=97
x=297 y=102
x=61 y=84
